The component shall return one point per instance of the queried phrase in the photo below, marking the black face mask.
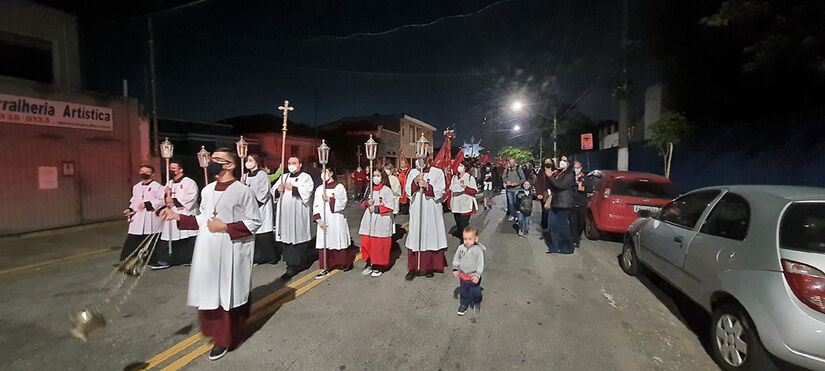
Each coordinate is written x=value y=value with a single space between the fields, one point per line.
x=548 y=166
x=145 y=176
x=214 y=169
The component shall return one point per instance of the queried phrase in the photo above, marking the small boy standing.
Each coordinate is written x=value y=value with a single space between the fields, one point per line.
x=524 y=208
x=468 y=264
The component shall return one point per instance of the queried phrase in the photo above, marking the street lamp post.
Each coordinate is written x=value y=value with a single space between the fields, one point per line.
x=518 y=106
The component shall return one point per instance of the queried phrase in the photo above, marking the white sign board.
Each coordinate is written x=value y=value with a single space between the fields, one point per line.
x=30 y=111
x=47 y=177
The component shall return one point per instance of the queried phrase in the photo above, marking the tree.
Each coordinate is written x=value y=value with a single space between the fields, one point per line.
x=667 y=132
x=522 y=155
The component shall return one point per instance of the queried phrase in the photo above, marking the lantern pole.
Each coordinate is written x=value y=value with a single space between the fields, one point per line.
x=203 y=160
x=323 y=158
x=166 y=150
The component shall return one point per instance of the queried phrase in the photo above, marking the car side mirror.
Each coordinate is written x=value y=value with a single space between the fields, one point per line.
x=645 y=213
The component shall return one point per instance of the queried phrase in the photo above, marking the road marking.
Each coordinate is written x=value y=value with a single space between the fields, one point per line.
x=65 y=259
x=263 y=307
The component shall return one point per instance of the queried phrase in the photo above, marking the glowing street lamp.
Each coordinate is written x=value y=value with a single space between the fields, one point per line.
x=516 y=106
x=516 y=128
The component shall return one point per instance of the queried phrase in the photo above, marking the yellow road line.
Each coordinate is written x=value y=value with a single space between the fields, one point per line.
x=262 y=303
x=183 y=361
x=54 y=261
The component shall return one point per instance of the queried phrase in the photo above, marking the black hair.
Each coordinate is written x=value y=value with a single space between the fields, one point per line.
x=150 y=167
x=176 y=162
x=233 y=157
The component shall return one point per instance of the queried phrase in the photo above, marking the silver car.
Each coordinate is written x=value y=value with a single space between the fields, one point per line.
x=754 y=257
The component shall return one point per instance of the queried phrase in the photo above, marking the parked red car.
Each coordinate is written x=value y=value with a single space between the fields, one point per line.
x=619 y=196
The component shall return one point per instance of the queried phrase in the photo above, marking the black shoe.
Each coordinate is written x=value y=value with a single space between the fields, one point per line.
x=217 y=353
x=287 y=276
x=430 y=274
x=409 y=276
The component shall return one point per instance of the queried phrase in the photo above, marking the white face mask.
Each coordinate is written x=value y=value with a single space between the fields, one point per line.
x=388 y=171
x=461 y=169
x=292 y=168
x=376 y=180
x=324 y=177
x=250 y=165
x=563 y=164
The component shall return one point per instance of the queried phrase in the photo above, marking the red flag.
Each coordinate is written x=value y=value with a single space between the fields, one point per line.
x=485 y=159
x=458 y=160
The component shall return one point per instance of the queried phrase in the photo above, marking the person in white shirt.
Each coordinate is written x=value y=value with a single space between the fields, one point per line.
x=147 y=197
x=181 y=194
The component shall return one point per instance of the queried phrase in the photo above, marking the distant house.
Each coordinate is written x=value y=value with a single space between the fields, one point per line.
x=264 y=134
x=395 y=134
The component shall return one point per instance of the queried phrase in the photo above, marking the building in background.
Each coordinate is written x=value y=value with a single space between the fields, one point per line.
x=395 y=134
x=71 y=156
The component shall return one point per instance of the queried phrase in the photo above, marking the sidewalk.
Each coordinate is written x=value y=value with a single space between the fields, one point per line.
x=16 y=252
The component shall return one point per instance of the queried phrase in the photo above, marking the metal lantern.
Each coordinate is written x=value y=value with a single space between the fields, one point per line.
x=422 y=147
x=241 y=146
x=204 y=157
x=167 y=149
x=372 y=148
x=323 y=153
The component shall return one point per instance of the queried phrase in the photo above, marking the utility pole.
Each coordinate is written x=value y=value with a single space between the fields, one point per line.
x=555 y=132
x=155 y=139
x=622 y=91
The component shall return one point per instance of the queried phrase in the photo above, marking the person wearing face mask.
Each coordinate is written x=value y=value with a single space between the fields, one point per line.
x=181 y=194
x=377 y=226
x=258 y=181
x=524 y=208
x=221 y=273
x=488 y=184
x=463 y=202
x=332 y=232
x=292 y=194
x=561 y=186
x=579 y=211
x=395 y=185
x=426 y=187
x=542 y=188
x=147 y=197
x=513 y=177
x=359 y=177
x=404 y=200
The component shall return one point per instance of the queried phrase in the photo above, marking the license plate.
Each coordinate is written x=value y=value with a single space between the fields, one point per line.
x=652 y=209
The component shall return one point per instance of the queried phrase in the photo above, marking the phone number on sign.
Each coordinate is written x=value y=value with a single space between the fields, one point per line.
x=13 y=117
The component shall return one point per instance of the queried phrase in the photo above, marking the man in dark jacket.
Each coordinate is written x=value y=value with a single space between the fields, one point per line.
x=579 y=211
x=512 y=179
x=542 y=186
x=561 y=186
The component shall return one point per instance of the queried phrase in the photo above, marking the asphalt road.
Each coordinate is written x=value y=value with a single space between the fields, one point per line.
x=540 y=312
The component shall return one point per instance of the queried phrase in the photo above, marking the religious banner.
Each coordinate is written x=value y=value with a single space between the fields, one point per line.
x=30 y=111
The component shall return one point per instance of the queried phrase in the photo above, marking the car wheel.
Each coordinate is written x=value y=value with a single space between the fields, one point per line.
x=590 y=229
x=735 y=345
x=629 y=260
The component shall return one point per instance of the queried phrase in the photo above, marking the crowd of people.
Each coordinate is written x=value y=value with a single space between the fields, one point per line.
x=248 y=217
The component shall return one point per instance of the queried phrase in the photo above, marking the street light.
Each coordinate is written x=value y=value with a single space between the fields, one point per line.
x=516 y=106
x=203 y=159
x=516 y=128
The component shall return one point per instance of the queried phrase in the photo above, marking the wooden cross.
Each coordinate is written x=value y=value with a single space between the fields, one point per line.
x=286 y=108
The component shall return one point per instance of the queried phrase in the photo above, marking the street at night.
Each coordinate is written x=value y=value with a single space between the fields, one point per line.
x=412 y=185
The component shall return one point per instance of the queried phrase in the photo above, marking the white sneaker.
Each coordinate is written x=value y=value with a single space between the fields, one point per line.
x=376 y=273
x=367 y=271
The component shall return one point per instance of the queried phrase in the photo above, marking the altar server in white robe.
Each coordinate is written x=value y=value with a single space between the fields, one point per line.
x=426 y=188
x=327 y=211
x=258 y=181
x=377 y=225
x=221 y=275
x=147 y=197
x=181 y=194
x=292 y=193
x=463 y=202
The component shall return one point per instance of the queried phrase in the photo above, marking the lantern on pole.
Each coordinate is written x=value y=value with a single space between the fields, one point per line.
x=241 y=146
x=371 y=149
x=166 y=151
x=422 y=148
x=203 y=158
x=323 y=159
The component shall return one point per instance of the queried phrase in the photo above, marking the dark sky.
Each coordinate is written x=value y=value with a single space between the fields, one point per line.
x=445 y=62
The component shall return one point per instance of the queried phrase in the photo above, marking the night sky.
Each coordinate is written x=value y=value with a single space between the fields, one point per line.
x=445 y=62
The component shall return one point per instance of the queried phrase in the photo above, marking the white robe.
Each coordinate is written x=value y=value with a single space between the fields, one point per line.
x=259 y=184
x=186 y=192
x=145 y=221
x=379 y=225
x=460 y=202
x=395 y=184
x=337 y=234
x=292 y=216
x=221 y=274
x=434 y=235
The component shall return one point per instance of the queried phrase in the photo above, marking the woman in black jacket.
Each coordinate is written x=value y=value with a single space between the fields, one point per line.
x=561 y=186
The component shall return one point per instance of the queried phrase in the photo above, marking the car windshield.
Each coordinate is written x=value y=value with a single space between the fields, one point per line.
x=803 y=228
x=644 y=189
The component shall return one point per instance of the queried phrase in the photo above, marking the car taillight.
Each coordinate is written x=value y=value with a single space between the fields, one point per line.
x=807 y=283
x=606 y=192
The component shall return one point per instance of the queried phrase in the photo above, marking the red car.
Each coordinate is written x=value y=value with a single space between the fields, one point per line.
x=619 y=196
